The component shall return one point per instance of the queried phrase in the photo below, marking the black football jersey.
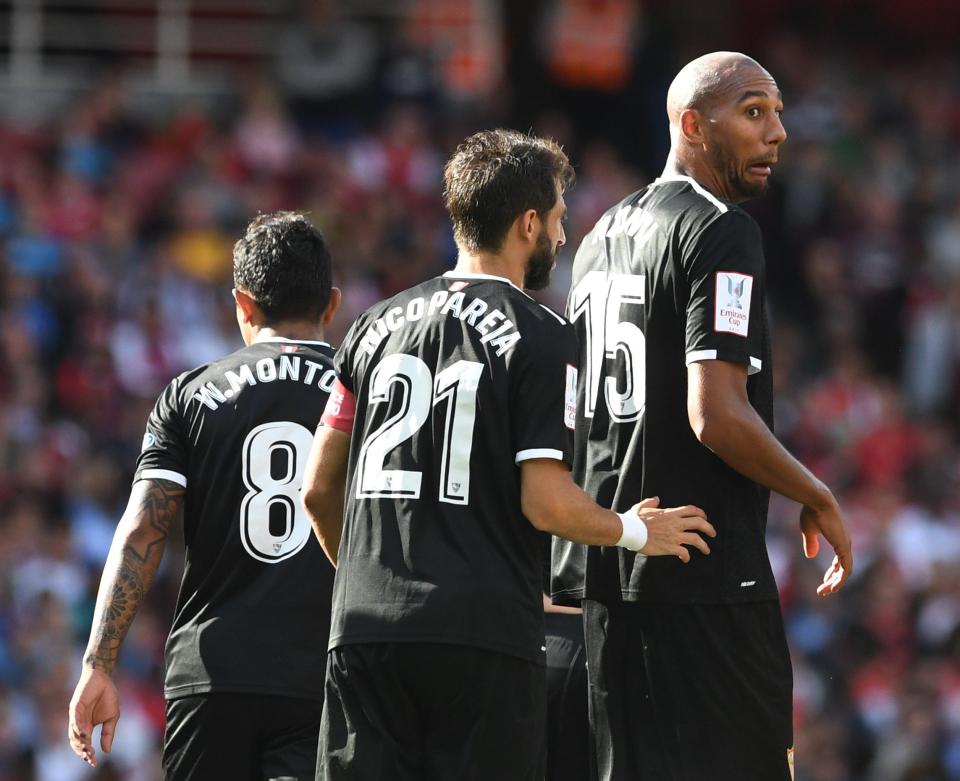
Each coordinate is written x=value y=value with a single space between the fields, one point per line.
x=457 y=381
x=669 y=276
x=253 y=613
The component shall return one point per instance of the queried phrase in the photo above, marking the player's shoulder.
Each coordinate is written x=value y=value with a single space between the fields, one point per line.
x=527 y=311
x=696 y=213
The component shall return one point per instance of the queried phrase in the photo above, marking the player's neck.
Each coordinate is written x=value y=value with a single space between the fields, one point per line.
x=297 y=331
x=493 y=264
x=696 y=169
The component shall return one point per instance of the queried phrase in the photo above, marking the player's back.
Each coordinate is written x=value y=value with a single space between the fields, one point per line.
x=435 y=547
x=254 y=607
x=657 y=284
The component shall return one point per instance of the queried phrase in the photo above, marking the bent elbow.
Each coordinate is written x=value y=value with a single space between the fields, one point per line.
x=707 y=428
x=537 y=513
x=313 y=498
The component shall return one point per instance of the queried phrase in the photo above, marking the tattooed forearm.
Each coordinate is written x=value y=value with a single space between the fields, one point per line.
x=134 y=557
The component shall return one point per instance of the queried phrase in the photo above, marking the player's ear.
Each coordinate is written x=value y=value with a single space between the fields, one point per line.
x=332 y=306
x=245 y=304
x=691 y=126
x=527 y=225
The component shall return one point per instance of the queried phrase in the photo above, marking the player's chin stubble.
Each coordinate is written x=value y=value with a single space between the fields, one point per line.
x=540 y=265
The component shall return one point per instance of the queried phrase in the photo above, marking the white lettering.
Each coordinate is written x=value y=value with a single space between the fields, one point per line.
x=455 y=302
x=289 y=367
x=237 y=381
x=394 y=318
x=436 y=301
x=505 y=342
x=507 y=325
x=473 y=311
x=210 y=395
x=266 y=370
x=327 y=380
x=415 y=310
x=312 y=368
x=489 y=321
x=371 y=341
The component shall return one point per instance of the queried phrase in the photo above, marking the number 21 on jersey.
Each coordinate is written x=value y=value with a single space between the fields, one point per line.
x=456 y=386
x=607 y=303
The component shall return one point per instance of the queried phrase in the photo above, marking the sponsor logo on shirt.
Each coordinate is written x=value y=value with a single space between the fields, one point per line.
x=570 y=398
x=732 y=313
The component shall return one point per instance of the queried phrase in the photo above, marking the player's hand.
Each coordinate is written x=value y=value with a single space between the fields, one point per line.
x=94 y=701
x=829 y=522
x=670 y=531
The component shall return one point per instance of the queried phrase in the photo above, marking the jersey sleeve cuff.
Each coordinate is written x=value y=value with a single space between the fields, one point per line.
x=163 y=474
x=538 y=452
x=754 y=365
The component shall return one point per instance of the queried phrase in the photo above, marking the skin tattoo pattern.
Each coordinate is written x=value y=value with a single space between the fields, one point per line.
x=160 y=503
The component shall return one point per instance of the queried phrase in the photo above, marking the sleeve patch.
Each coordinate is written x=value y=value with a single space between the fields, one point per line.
x=340 y=410
x=570 y=398
x=732 y=307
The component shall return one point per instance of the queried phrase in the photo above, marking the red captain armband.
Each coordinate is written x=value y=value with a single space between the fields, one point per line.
x=340 y=410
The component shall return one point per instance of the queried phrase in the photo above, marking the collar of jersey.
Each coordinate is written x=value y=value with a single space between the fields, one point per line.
x=471 y=275
x=268 y=339
x=695 y=185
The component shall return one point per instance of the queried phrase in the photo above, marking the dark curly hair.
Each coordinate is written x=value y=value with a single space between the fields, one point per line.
x=283 y=261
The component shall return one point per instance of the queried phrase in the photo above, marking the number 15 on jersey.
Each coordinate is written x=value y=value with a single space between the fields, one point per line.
x=607 y=302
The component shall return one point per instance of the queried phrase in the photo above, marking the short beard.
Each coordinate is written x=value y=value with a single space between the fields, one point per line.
x=539 y=268
x=740 y=187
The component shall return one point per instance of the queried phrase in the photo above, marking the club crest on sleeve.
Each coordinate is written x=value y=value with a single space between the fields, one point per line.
x=732 y=308
x=149 y=440
x=570 y=398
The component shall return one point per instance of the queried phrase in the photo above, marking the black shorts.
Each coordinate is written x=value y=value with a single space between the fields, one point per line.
x=689 y=692
x=243 y=737
x=422 y=711
x=570 y=753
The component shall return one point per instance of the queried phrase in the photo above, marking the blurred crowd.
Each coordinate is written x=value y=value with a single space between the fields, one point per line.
x=116 y=230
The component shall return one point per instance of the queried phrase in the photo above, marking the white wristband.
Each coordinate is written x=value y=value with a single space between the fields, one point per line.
x=634 y=535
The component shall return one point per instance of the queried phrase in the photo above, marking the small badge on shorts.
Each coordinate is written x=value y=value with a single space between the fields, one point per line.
x=790 y=760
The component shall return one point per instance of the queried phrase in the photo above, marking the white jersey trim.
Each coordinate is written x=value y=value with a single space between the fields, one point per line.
x=454 y=274
x=694 y=356
x=721 y=206
x=163 y=474
x=562 y=321
x=539 y=452
x=283 y=339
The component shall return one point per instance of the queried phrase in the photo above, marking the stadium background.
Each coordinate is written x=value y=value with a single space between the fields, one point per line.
x=137 y=138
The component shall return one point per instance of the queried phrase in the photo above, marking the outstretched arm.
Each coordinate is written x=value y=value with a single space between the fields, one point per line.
x=135 y=554
x=553 y=503
x=724 y=421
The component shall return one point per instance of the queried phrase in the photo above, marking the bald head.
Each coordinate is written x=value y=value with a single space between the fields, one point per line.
x=706 y=79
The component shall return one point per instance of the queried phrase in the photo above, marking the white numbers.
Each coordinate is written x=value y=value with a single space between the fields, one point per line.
x=411 y=377
x=457 y=387
x=600 y=298
x=274 y=456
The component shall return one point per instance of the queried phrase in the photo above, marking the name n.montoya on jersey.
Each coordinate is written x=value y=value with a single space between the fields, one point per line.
x=284 y=367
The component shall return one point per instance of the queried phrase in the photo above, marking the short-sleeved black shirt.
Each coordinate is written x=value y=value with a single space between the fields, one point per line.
x=457 y=381
x=253 y=613
x=669 y=276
